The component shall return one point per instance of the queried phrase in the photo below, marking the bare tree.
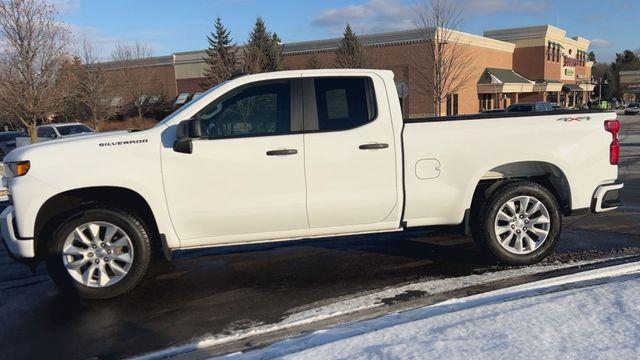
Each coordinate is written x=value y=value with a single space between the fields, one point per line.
x=136 y=81
x=313 y=62
x=446 y=49
x=34 y=44
x=92 y=86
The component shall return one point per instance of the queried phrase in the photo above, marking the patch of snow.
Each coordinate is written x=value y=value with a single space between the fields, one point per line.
x=351 y=305
x=595 y=321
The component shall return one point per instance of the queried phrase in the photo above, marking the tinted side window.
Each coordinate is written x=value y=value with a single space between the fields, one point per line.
x=259 y=109
x=45 y=132
x=344 y=103
x=521 y=108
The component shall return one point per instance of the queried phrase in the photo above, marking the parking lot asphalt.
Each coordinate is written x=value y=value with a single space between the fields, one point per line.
x=218 y=291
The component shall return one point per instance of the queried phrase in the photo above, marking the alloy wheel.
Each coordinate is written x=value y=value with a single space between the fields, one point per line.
x=98 y=254
x=522 y=225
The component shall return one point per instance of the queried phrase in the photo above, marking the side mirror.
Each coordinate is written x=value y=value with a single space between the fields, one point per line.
x=186 y=131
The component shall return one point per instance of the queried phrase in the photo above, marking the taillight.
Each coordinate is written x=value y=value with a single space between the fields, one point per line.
x=613 y=126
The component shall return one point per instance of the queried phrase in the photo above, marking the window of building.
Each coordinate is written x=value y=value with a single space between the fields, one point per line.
x=182 y=98
x=549 y=51
x=452 y=105
x=258 y=109
x=485 y=102
x=344 y=102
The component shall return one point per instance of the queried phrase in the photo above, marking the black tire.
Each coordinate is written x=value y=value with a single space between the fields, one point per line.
x=130 y=224
x=482 y=224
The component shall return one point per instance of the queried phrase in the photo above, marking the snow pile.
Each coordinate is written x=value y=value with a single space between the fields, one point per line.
x=598 y=319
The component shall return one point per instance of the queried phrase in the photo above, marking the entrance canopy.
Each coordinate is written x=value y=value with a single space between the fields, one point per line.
x=503 y=81
x=548 y=86
x=571 y=87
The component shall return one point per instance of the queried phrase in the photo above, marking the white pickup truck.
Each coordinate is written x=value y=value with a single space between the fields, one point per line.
x=301 y=154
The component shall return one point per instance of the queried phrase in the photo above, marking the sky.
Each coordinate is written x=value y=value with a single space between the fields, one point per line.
x=182 y=25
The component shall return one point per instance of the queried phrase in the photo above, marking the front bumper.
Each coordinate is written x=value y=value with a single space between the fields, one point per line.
x=607 y=197
x=19 y=248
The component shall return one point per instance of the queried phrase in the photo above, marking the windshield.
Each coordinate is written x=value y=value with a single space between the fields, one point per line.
x=73 y=129
x=188 y=105
x=634 y=105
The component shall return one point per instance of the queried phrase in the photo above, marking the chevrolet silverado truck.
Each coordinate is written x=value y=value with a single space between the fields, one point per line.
x=301 y=154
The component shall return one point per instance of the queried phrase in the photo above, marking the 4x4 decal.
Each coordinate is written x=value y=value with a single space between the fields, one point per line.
x=576 y=118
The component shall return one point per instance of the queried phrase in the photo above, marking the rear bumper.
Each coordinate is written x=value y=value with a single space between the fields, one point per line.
x=17 y=247
x=607 y=197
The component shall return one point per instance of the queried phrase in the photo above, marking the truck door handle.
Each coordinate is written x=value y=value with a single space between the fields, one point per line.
x=373 y=146
x=283 y=152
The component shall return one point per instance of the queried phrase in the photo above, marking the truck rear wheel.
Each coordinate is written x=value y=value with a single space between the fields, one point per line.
x=99 y=253
x=519 y=223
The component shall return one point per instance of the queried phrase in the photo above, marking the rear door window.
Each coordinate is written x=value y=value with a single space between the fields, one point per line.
x=344 y=102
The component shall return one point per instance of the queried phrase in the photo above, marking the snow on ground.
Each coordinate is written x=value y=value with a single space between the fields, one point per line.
x=594 y=314
x=351 y=305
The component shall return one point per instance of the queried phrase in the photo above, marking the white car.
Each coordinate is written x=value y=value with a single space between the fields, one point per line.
x=56 y=131
x=302 y=154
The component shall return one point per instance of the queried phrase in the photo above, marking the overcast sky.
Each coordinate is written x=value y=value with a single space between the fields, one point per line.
x=182 y=25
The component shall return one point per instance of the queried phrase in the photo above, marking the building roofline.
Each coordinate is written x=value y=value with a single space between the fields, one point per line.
x=146 y=62
x=392 y=38
x=629 y=72
x=532 y=32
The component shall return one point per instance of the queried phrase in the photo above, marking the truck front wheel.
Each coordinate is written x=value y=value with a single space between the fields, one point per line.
x=519 y=223
x=99 y=253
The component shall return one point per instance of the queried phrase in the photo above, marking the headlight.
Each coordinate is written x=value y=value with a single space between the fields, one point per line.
x=18 y=168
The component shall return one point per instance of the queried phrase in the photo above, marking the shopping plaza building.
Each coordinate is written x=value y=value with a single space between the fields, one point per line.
x=529 y=64
x=630 y=84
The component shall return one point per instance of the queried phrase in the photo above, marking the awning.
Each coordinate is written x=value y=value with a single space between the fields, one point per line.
x=495 y=80
x=587 y=86
x=548 y=86
x=571 y=87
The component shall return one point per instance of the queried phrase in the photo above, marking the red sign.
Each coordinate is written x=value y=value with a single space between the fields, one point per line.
x=570 y=62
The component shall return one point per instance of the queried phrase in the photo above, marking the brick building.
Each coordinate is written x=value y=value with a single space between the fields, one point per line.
x=537 y=63
x=630 y=84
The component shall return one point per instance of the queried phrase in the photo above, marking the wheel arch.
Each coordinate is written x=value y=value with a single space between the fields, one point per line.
x=62 y=205
x=544 y=173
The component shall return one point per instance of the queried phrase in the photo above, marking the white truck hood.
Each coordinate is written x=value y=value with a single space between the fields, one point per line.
x=72 y=143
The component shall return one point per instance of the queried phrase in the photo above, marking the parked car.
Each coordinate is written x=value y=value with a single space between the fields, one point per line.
x=8 y=141
x=244 y=164
x=632 y=109
x=530 y=107
x=56 y=131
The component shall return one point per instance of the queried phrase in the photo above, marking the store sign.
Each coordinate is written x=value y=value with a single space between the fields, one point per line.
x=569 y=62
x=633 y=86
x=568 y=68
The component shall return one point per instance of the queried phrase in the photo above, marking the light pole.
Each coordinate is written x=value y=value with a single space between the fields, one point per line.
x=600 y=81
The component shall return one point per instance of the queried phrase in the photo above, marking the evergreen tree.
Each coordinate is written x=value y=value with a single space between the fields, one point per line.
x=258 y=49
x=276 y=56
x=221 y=60
x=350 y=53
x=591 y=56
